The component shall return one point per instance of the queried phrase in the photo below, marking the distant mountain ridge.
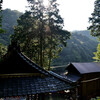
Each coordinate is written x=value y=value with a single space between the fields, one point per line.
x=80 y=48
x=86 y=33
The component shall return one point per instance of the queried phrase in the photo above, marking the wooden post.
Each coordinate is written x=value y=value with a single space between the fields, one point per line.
x=27 y=97
x=35 y=97
x=41 y=96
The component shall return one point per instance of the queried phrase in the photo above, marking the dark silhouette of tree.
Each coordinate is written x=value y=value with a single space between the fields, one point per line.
x=95 y=20
x=1 y=30
x=40 y=32
x=95 y=27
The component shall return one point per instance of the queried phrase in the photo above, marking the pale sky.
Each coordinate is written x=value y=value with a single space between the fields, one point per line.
x=74 y=12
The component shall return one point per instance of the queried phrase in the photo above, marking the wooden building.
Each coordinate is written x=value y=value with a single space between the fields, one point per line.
x=20 y=77
x=86 y=76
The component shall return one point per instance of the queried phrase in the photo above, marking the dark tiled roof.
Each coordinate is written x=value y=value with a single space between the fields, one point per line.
x=72 y=77
x=31 y=85
x=31 y=63
x=16 y=63
x=62 y=77
x=84 y=68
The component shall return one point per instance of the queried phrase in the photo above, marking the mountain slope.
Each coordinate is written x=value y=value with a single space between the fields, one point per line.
x=80 y=48
x=86 y=33
x=9 y=20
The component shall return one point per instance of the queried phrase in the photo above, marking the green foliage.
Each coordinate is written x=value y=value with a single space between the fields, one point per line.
x=97 y=54
x=9 y=20
x=39 y=32
x=3 y=50
x=79 y=48
x=95 y=27
x=95 y=19
x=1 y=30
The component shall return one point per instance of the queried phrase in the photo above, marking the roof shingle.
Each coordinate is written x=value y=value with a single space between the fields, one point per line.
x=30 y=85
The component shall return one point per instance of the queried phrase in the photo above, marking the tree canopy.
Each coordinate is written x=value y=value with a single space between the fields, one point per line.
x=40 y=32
x=95 y=20
x=95 y=27
x=97 y=54
x=1 y=30
x=2 y=48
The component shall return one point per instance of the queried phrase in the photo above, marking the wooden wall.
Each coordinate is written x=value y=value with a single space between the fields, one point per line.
x=89 y=86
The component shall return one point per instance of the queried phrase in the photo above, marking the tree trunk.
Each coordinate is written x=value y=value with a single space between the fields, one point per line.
x=49 y=59
x=41 y=47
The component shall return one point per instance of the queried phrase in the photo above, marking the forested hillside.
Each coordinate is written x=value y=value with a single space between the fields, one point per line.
x=80 y=47
x=86 y=33
x=9 y=20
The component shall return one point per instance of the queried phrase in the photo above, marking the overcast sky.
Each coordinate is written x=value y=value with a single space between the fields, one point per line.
x=74 y=12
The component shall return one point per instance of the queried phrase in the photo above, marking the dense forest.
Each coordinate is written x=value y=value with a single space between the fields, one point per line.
x=79 y=48
x=9 y=20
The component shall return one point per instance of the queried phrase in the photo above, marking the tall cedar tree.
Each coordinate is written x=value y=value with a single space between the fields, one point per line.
x=95 y=27
x=1 y=30
x=40 y=32
x=95 y=20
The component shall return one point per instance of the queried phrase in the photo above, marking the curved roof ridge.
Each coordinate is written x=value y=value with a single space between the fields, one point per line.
x=30 y=62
